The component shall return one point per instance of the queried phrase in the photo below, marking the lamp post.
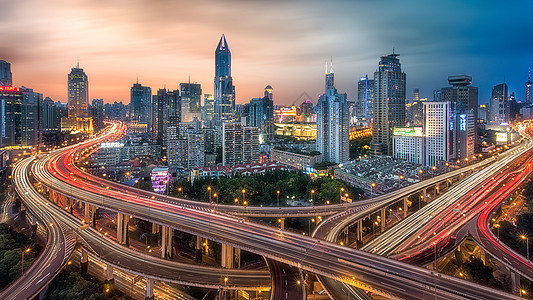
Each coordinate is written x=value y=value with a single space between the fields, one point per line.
x=311 y=220
x=372 y=191
x=400 y=178
x=435 y=255
x=243 y=194
x=497 y=225
x=237 y=201
x=22 y=265
x=340 y=195
x=527 y=245
x=216 y=199
x=209 y=189
x=312 y=192
x=277 y=192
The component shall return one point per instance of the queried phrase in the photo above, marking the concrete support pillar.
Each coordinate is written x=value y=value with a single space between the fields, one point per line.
x=122 y=228
x=281 y=222
x=515 y=283
x=405 y=206
x=84 y=261
x=227 y=256
x=90 y=214
x=109 y=273
x=149 y=289
x=360 y=230
x=425 y=193
x=155 y=228
x=167 y=235
x=198 y=242
x=383 y=219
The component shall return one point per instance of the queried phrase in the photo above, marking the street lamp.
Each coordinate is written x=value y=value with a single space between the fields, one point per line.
x=312 y=192
x=243 y=193
x=22 y=265
x=277 y=192
x=215 y=195
x=527 y=245
x=237 y=201
x=435 y=255
x=522 y=292
x=340 y=195
x=209 y=189
x=372 y=191
x=497 y=225
x=311 y=220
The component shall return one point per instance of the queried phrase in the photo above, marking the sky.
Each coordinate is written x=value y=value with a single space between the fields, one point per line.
x=284 y=43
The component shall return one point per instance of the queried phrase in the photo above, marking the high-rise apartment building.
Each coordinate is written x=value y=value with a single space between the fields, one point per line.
x=96 y=111
x=240 y=144
x=6 y=78
x=438 y=147
x=365 y=98
x=408 y=144
x=185 y=146
x=50 y=116
x=224 y=90
x=141 y=104
x=191 y=101
x=499 y=111
x=261 y=114
x=389 y=103
x=78 y=92
x=165 y=112
x=333 y=123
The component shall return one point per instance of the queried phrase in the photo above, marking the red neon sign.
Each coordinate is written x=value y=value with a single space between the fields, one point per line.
x=9 y=89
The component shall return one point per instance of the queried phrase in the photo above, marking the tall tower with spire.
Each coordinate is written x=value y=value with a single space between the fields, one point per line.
x=224 y=90
x=78 y=92
x=528 y=87
x=333 y=122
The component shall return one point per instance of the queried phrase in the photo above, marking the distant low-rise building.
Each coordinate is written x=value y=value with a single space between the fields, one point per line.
x=295 y=158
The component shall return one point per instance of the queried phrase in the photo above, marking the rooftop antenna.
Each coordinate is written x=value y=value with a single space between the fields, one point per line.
x=77 y=62
x=393 y=50
x=331 y=65
x=137 y=77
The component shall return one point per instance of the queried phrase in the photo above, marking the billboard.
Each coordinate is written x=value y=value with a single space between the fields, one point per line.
x=501 y=137
x=408 y=131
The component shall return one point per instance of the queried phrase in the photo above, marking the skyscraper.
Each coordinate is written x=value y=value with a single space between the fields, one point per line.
x=208 y=109
x=165 y=113
x=78 y=92
x=224 y=89
x=19 y=116
x=5 y=74
x=365 y=98
x=499 y=107
x=389 y=103
x=528 y=87
x=191 y=100
x=437 y=131
x=261 y=114
x=333 y=123
x=141 y=104
x=463 y=99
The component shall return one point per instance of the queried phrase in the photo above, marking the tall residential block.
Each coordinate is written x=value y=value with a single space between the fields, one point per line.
x=439 y=146
x=165 y=112
x=389 y=103
x=240 y=144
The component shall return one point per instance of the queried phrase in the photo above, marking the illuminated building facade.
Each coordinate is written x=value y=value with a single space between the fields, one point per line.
x=78 y=92
x=408 y=144
x=191 y=101
x=389 y=103
x=240 y=144
x=333 y=123
x=160 y=179
x=6 y=78
x=141 y=104
x=224 y=105
x=365 y=98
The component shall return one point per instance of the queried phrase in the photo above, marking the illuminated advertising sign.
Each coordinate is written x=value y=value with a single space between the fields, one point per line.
x=112 y=145
x=462 y=122
x=9 y=89
x=501 y=137
x=408 y=131
x=160 y=178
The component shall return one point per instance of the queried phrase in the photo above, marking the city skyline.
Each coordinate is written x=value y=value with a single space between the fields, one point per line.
x=285 y=48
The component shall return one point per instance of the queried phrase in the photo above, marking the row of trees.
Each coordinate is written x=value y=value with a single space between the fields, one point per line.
x=12 y=246
x=262 y=189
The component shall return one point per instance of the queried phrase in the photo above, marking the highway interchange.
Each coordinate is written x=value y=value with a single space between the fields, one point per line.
x=372 y=272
